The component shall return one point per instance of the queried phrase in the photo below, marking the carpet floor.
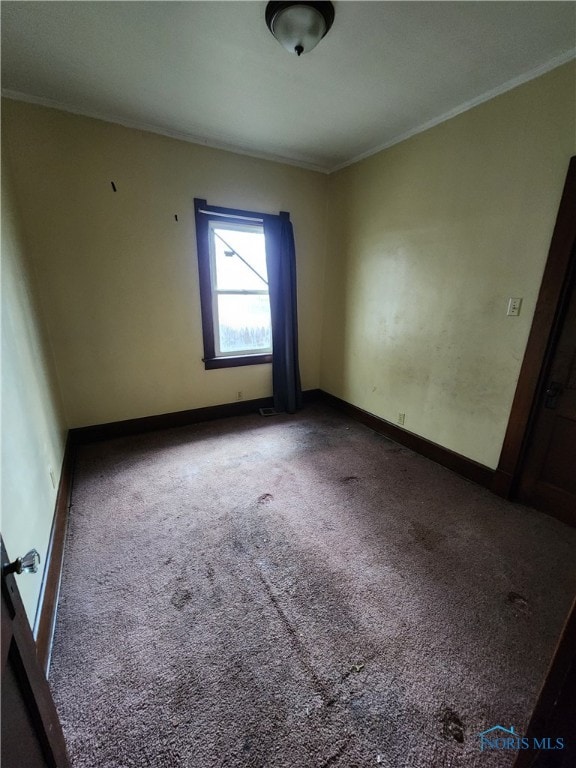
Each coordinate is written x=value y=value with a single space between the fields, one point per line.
x=297 y=592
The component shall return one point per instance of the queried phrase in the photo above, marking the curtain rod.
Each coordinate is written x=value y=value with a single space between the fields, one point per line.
x=230 y=215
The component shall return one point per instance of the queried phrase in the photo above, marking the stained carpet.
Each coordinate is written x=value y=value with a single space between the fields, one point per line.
x=295 y=592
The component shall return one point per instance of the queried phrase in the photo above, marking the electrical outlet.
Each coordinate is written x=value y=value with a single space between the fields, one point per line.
x=401 y=418
x=514 y=307
x=239 y=395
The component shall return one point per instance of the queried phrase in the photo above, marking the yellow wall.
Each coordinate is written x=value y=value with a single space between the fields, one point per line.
x=424 y=244
x=119 y=275
x=33 y=434
x=427 y=241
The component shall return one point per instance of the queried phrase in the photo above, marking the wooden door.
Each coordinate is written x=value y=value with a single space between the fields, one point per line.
x=548 y=479
x=525 y=470
x=555 y=711
x=31 y=732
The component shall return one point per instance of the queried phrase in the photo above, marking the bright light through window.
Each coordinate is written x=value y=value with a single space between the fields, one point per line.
x=240 y=300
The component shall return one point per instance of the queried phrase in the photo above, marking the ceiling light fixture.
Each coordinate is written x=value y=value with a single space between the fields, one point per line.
x=299 y=27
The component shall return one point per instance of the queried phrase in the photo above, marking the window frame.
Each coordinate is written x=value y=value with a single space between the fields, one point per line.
x=204 y=215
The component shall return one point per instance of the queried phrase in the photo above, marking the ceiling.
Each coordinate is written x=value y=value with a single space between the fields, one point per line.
x=212 y=73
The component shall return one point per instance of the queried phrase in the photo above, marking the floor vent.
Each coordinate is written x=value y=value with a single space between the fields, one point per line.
x=268 y=412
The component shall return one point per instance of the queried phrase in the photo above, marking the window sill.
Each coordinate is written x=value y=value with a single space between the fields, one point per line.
x=234 y=362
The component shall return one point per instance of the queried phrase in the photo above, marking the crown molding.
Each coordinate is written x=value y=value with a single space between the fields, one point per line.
x=509 y=85
x=41 y=101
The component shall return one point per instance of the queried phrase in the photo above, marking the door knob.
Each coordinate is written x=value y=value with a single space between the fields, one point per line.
x=27 y=564
x=552 y=393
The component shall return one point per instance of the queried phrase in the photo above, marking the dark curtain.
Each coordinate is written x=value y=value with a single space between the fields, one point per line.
x=281 y=265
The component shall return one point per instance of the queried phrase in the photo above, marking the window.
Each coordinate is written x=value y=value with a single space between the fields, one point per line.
x=233 y=287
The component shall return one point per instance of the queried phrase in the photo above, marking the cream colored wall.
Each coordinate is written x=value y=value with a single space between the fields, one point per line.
x=33 y=434
x=427 y=241
x=119 y=275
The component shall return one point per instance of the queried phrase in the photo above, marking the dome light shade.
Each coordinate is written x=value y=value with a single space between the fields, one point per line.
x=299 y=26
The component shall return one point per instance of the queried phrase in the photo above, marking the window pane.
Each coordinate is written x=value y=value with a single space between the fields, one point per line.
x=231 y=272
x=244 y=323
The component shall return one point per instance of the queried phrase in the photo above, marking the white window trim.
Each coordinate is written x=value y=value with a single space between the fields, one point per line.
x=239 y=227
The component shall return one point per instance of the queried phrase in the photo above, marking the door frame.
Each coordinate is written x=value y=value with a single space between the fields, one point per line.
x=546 y=325
x=555 y=709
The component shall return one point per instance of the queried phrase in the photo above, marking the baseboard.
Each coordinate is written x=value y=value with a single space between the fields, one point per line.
x=467 y=468
x=48 y=602
x=98 y=432
x=502 y=484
